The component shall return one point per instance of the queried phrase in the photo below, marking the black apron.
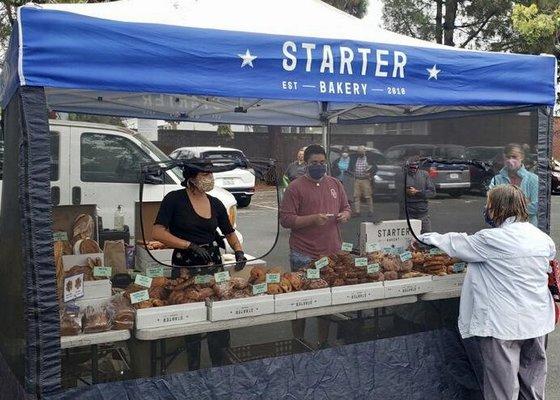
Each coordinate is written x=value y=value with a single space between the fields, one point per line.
x=185 y=258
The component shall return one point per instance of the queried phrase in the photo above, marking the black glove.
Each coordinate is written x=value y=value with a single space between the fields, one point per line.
x=200 y=253
x=240 y=259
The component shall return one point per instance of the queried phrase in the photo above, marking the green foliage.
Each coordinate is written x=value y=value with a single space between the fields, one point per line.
x=479 y=24
x=538 y=27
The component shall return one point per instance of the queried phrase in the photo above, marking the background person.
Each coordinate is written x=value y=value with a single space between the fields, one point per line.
x=187 y=221
x=363 y=169
x=515 y=173
x=339 y=169
x=296 y=168
x=419 y=188
x=505 y=301
x=312 y=208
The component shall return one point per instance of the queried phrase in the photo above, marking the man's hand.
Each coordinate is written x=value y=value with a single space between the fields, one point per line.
x=343 y=217
x=411 y=191
x=321 y=219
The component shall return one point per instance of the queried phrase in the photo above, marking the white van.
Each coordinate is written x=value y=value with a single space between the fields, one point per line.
x=100 y=164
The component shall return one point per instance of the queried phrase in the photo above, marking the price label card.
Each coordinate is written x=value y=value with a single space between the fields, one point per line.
x=371 y=247
x=360 y=262
x=220 y=277
x=60 y=236
x=272 y=278
x=323 y=262
x=435 y=251
x=139 y=296
x=389 y=250
x=105 y=272
x=373 y=268
x=313 y=273
x=347 y=246
x=202 y=279
x=143 y=280
x=407 y=255
x=153 y=272
x=260 y=288
x=73 y=287
x=459 y=267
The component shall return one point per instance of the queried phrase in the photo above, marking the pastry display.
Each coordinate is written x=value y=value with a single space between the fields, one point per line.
x=80 y=269
x=70 y=322
x=433 y=264
x=82 y=228
x=96 y=319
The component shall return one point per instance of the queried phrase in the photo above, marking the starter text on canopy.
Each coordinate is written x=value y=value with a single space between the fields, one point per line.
x=344 y=60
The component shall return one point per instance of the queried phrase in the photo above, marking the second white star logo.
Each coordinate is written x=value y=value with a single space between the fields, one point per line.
x=433 y=72
x=247 y=59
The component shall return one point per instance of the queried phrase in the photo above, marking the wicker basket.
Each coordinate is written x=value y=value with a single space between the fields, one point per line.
x=266 y=350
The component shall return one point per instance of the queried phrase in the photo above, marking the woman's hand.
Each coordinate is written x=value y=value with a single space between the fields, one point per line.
x=240 y=259
x=200 y=252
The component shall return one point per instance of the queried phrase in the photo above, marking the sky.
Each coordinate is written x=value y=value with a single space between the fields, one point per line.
x=374 y=12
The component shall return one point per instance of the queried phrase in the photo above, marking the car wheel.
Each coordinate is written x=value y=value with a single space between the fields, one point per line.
x=455 y=193
x=243 y=202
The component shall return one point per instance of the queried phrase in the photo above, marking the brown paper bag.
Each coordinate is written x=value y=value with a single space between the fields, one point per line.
x=114 y=256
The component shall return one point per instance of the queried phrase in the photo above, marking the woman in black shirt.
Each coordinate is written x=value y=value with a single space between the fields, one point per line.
x=187 y=221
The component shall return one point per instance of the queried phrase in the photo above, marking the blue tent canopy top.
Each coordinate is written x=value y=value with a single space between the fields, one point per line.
x=250 y=61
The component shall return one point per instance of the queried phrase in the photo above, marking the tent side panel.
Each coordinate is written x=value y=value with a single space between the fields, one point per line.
x=544 y=123
x=13 y=336
x=38 y=254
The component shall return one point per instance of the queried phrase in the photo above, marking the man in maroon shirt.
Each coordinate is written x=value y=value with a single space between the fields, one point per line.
x=312 y=208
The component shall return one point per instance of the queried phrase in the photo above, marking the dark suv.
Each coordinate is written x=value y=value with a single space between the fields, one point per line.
x=442 y=162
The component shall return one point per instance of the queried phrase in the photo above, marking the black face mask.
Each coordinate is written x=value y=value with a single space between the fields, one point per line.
x=316 y=171
x=487 y=219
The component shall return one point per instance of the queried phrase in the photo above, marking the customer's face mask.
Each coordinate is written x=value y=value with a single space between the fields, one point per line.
x=204 y=182
x=513 y=164
x=413 y=168
x=487 y=218
x=344 y=155
x=316 y=171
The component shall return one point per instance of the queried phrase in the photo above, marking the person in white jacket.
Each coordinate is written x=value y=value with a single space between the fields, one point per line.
x=505 y=300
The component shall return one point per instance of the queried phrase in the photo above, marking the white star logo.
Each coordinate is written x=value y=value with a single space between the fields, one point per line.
x=247 y=59
x=433 y=72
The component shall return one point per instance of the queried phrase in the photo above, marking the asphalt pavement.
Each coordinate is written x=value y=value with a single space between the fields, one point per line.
x=261 y=232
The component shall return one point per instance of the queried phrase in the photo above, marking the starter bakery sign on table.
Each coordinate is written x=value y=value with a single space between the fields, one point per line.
x=388 y=234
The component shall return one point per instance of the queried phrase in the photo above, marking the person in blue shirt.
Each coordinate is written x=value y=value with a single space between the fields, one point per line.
x=515 y=173
x=339 y=170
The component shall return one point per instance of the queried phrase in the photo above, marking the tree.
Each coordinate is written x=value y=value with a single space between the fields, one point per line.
x=357 y=8
x=539 y=25
x=477 y=24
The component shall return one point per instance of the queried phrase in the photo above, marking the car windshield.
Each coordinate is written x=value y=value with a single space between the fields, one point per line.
x=159 y=155
x=483 y=153
x=450 y=152
x=402 y=153
x=223 y=155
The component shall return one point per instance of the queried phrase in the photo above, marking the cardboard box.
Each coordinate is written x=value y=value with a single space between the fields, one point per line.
x=357 y=293
x=407 y=287
x=144 y=261
x=302 y=300
x=157 y=317
x=448 y=282
x=388 y=233
x=240 y=308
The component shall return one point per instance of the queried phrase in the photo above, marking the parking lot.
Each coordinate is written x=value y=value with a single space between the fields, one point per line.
x=258 y=223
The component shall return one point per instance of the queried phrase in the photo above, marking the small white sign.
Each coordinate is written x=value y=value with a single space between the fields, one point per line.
x=73 y=287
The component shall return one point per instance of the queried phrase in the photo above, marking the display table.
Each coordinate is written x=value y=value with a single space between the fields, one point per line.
x=441 y=295
x=158 y=335
x=93 y=340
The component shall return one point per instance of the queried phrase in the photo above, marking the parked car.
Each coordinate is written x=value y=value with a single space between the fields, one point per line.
x=491 y=159
x=240 y=182
x=445 y=168
x=100 y=164
x=386 y=174
x=555 y=176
